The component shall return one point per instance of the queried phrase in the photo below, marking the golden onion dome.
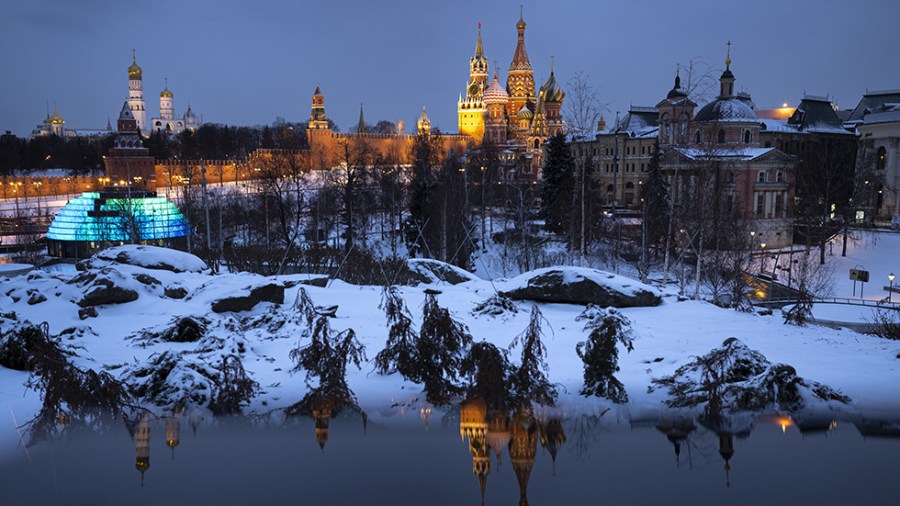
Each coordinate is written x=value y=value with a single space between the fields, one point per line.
x=134 y=70
x=165 y=93
x=525 y=113
x=56 y=119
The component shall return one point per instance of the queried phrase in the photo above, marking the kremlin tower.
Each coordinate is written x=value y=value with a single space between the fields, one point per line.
x=136 y=93
x=471 y=109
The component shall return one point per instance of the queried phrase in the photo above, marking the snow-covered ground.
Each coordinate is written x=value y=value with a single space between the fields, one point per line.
x=865 y=368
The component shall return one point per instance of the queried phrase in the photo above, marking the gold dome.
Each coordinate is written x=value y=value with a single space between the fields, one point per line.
x=56 y=119
x=165 y=93
x=134 y=70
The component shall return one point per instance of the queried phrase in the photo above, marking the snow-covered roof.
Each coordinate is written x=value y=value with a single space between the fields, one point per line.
x=729 y=109
x=725 y=153
x=871 y=102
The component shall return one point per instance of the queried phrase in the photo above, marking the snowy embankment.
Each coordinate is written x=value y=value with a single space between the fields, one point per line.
x=124 y=337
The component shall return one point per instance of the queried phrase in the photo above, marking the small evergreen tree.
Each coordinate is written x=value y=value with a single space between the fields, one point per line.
x=608 y=328
x=441 y=346
x=399 y=353
x=529 y=380
x=557 y=185
x=655 y=202
x=490 y=375
x=326 y=356
x=233 y=389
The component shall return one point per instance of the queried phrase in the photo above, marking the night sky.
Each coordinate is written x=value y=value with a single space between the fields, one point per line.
x=244 y=63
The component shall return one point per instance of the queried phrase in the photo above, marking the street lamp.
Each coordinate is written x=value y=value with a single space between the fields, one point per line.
x=891 y=287
x=762 y=257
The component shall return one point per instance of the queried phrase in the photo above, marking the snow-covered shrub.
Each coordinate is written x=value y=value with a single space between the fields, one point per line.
x=173 y=379
x=496 y=305
x=600 y=354
x=68 y=392
x=234 y=388
x=737 y=378
x=886 y=324
x=18 y=344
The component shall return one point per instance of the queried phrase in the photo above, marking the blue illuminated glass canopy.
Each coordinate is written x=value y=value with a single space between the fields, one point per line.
x=118 y=216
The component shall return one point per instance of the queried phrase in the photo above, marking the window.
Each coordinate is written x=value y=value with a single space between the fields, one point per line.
x=779 y=176
x=729 y=178
x=697 y=138
x=881 y=158
x=760 y=204
x=746 y=136
x=721 y=137
x=761 y=177
x=779 y=204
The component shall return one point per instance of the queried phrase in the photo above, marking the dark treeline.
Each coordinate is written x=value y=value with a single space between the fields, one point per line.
x=81 y=155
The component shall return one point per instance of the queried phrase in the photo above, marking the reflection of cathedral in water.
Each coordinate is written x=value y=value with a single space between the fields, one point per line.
x=142 y=445
x=487 y=433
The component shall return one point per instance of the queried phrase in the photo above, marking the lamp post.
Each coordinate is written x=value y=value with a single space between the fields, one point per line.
x=762 y=257
x=891 y=287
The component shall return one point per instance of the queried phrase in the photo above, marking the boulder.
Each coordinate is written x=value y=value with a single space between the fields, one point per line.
x=427 y=271
x=251 y=296
x=175 y=292
x=104 y=291
x=87 y=312
x=578 y=285
x=35 y=297
x=148 y=257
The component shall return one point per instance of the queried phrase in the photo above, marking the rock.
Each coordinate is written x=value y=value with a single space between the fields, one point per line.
x=35 y=297
x=319 y=280
x=148 y=257
x=146 y=279
x=87 y=312
x=577 y=285
x=270 y=292
x=104 y=291
x=175 y=292
x=426 y=271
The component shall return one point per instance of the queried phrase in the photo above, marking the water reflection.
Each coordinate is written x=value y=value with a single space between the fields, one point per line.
x=727 y=457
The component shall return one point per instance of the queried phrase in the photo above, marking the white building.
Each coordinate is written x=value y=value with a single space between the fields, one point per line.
x=136 y=93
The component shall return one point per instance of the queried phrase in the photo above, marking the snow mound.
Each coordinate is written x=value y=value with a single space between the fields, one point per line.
x=580 y=285
x=148 y=257
x=427 y=271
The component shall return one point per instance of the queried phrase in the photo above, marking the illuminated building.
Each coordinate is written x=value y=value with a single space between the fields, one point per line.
x=167 y=121
x=173 y=432
x=876 y=118
x=136 y=93
x=327 y=147
x=321 y=412
x=522 y=450
x=115 y=215
x=142 y=445
x=473 y=427
x=515 y=118
x=553 y=436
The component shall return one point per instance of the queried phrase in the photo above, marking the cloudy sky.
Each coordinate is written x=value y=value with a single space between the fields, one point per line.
x=246 y=62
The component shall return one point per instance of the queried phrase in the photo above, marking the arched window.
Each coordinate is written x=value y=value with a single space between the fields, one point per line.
x=537 y=144
x=779 y=176
x=697 y=137
x=683 y=127
x=746 y=136
x=761 y=177
x=881 y=159
x=721 y=136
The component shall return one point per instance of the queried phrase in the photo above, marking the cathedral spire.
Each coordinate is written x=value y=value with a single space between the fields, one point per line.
x=520 y=58
x=361 y=126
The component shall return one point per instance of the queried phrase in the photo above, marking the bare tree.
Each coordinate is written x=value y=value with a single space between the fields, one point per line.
x=582 y=108
x=699 y=80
